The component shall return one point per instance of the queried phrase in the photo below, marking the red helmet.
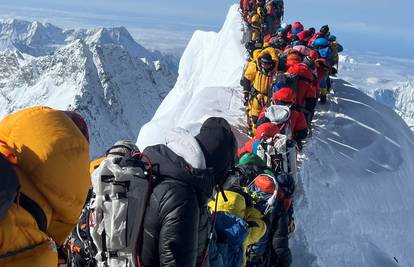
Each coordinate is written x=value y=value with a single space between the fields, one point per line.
x=266 y=130
x=296 y=25
x=285 y=94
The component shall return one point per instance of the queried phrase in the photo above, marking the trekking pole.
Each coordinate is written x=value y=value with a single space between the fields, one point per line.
x=210 y=235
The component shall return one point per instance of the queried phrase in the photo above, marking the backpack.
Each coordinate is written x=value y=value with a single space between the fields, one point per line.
x=122 y=185
x=9 y=185
x=79 y=245
x=278 y=114
x=265 y=202
x=279 y=153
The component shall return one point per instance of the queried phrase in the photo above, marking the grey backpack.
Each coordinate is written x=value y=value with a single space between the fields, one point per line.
x=122 y=185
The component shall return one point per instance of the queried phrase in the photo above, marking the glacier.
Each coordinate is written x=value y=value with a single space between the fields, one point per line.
x=353 y=203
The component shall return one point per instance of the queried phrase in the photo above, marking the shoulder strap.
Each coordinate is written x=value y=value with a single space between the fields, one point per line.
x=35 y=210
x=305 y=79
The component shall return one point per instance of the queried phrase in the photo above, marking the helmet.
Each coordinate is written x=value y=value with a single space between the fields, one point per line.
x=332 y=38
x=122 y=148
x=285 y=94
x=312 y=30
x=324 y=29
x=320 y=42
x=297 y=25
x=266 y=183
x=286 y=183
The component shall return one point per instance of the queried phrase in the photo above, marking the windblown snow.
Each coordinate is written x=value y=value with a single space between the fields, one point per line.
x=354 y=204
x=115 y=83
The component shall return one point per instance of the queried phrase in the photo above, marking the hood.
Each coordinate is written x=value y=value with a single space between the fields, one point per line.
x=182 y=143
x=302 y=70
x=52 y=158
x=251 y=159
x=171 y=166
x=274 y=53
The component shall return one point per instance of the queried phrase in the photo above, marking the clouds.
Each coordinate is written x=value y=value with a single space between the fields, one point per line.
x=380 y=26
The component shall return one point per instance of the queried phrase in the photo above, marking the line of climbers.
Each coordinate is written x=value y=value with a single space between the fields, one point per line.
x=192 y=201
x=294 y=58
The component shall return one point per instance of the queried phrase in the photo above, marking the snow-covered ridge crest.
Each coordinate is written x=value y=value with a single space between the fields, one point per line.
x=114 y=82
x=210 y=61
x=354 y=204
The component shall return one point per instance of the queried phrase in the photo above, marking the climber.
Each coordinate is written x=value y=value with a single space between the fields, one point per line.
x=48 y=151
x=256 y=83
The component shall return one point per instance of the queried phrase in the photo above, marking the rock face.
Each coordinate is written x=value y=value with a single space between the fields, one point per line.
x=114 y=82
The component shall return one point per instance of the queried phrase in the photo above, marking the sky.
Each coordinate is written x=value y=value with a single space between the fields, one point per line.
x=365 y=26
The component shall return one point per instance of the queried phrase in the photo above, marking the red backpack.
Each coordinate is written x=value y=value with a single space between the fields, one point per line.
x=304 y=83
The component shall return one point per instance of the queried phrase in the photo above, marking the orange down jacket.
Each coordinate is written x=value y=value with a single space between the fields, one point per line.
x=52 y=164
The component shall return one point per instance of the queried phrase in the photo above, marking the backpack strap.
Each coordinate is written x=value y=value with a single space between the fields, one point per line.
x=37 y=213
x=34 y=209
x=19 y=251
x=301 y=78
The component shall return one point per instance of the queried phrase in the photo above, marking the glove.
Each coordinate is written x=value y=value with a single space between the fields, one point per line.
x=291 y=227
x=246 y=98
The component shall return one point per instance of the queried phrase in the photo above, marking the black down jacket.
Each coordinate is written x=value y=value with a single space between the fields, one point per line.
x=176 y=223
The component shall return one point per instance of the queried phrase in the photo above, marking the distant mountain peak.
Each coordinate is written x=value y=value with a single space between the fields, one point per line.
x=114 y=82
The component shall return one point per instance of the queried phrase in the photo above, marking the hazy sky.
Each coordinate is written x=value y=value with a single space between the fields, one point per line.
x=378 y=26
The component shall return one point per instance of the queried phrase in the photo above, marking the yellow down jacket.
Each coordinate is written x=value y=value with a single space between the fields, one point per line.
x=52 y=164
x=236 y=205
x=260 y=81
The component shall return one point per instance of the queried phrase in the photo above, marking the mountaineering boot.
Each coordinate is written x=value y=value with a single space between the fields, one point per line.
x=322 y=96
x=322 y=99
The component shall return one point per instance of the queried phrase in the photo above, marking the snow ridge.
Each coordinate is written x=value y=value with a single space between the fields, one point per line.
x=353 y=203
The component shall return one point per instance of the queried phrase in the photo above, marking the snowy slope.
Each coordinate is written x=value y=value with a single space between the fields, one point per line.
x=115 y=83
x=388 y=80
x=354 y=204
x=354 y=201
